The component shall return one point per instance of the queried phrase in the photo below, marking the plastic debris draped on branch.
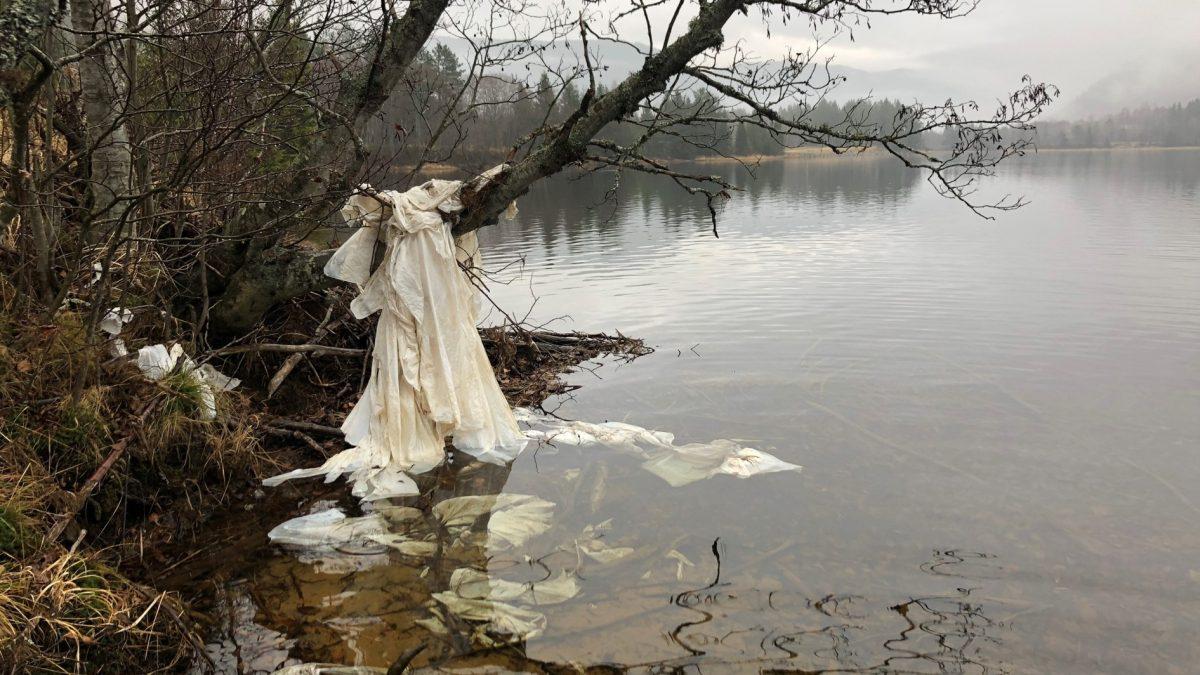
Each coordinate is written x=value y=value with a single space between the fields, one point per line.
x=430 y=376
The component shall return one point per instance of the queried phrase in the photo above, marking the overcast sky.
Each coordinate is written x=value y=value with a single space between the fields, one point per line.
x=1104 y=55
x=1072 y=43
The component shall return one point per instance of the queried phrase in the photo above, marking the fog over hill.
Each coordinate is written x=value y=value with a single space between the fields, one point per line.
x=1145 y=84
x=1151 y=82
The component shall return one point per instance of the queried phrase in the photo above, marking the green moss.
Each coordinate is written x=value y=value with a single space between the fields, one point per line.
x=17 y=536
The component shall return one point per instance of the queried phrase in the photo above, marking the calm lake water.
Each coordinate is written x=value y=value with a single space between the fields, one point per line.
x=999 y=423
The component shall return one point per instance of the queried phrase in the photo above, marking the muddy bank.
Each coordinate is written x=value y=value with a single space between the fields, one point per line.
x=112 y=484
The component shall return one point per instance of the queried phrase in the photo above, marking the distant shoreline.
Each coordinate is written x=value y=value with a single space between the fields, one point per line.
x=815 y=153
x=1126 y=148
x=873 y=153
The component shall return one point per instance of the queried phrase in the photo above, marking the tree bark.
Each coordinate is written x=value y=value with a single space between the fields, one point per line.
x=275 y=276
x=258 y=285
x=252 y=287
x=22 y=22
x=104 y=93
x=570 y=143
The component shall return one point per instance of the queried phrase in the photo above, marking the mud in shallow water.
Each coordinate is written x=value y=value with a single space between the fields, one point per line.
x=659 y=598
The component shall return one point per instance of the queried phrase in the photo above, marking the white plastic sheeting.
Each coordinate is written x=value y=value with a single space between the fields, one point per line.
x=676 y=464
x=514 y=518
x=330 y=527
x=430 y=376
x=113 y=323
x=500 y=609
x=158 y=361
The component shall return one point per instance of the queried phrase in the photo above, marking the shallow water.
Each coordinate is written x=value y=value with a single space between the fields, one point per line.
x=997 y=419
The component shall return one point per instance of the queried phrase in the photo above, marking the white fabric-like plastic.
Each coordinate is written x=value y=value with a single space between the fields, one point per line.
x=430 y=376
x=474 y=584
x=157 y=361
x=113 y=323
x=676 y=464
x=330 y=528
x=514 y=518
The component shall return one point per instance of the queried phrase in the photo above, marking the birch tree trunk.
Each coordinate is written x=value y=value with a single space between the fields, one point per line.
x=104 y=92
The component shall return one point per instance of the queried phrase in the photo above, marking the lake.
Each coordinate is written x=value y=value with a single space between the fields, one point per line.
x=998 y=422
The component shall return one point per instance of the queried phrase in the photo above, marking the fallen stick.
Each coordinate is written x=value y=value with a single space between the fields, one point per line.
x=290 y=364
x=298 y=435
x=81 y=496
x=297 y=425
x=311 y=349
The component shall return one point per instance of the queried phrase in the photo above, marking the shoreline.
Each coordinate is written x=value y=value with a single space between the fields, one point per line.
x=820 y=153
x=1127 y=148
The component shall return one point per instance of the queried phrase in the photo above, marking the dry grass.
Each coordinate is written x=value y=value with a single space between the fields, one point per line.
x=67 y=406
x=72 y=614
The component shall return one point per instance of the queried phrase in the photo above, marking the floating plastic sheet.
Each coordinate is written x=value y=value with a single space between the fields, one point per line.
x=513 y=519
x=330 y=527
x=335 y=543
x=430 y=376
x=676 y=464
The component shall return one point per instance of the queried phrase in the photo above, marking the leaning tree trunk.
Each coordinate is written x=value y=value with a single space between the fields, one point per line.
x=276 y=275
x=104 y=97
x=268 y=273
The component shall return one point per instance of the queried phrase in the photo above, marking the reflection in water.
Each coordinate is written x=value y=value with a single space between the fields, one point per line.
x=996 y=419
x=378 y=594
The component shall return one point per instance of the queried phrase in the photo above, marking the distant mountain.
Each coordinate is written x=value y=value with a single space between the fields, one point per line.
x=1150 y=83
x=1146 y=84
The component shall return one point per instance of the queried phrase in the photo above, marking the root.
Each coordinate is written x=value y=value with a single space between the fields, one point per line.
x=529 y=364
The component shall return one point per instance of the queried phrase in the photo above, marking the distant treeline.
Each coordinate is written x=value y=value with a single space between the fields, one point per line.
x=484 y=122
x=501 y=110
x=1167 y=126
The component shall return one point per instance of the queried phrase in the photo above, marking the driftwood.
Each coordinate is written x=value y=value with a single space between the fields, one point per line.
x=315 y=350
x=292 y=361
x=529 y=364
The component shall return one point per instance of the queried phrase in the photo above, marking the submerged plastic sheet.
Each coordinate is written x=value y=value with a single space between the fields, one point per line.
x=501 y=606
x=430 y=376
x=514 y=518
x=676 y=464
